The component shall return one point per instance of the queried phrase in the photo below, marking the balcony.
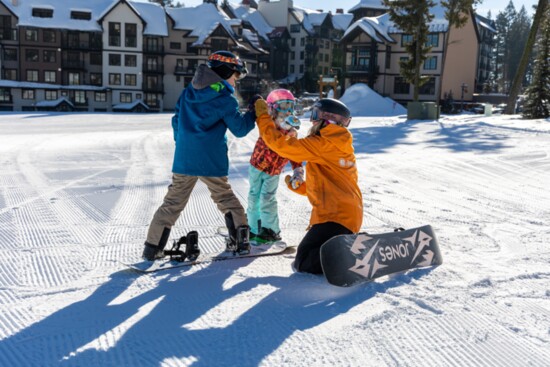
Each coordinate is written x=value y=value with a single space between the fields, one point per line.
x=152 y=68
x=153 y=87
x=8 y=34
x=81 y=45
x=182 y=70
x=73 y=64
x=153 y=49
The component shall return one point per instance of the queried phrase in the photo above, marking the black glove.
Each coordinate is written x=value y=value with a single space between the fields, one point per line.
x=252 y=101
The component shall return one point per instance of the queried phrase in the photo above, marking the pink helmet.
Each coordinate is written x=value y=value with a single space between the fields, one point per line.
x=281 y=100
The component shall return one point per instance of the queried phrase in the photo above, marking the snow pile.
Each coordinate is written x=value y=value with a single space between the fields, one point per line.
x=363 y=101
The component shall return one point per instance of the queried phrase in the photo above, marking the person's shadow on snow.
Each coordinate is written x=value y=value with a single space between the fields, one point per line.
x=207 y=318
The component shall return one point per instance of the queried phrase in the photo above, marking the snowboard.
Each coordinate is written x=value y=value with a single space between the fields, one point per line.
x=348 y=260
x=165 y=263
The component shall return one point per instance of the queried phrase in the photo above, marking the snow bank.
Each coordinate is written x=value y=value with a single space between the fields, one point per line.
x=363 y=101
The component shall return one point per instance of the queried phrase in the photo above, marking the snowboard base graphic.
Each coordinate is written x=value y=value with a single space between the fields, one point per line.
x=353 y=259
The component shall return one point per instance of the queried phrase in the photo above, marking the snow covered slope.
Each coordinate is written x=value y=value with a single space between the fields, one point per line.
x=77 y=192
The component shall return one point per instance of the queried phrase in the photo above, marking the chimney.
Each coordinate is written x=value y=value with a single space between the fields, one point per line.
x=340 y=11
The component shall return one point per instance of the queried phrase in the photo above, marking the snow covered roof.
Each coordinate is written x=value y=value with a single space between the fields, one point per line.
x=252 y=38
x=342 y=21
x=376 y=27
x=54 y=103
x=154 y=16
x=254 y=18
x=485 y=23
x=61 y=15
x=130 y=106
x=368 y=4
x=201 y=20
x=33 y=85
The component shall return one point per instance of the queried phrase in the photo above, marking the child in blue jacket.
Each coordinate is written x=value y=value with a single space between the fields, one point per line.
x=204 y=112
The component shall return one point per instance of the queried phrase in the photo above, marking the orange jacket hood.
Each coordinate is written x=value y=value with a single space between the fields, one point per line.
x=331 y=171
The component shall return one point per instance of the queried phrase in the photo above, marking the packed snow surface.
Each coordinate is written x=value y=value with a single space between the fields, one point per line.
x=77 y=192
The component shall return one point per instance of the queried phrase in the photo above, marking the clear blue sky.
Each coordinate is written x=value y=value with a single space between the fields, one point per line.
x=494 y=5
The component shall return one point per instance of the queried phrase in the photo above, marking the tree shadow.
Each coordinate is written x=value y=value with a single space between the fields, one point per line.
x=187 y=318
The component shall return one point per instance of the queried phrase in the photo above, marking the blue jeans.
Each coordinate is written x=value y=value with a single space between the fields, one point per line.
x=262 y=200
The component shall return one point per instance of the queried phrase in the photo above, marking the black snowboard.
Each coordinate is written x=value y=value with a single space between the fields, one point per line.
x=352 y=259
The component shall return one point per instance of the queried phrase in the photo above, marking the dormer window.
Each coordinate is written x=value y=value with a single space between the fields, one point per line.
x=42 y=13
x=82 y=15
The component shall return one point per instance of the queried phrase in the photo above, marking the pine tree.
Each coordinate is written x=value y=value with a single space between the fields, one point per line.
x=522 y=68
x=537 y=104
x=504 y=22
x=413 y=17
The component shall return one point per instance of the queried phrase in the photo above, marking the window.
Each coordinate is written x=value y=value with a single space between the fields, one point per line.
x=430 y=63
x=49 y=76
x=406 y=39
x=433 y=40
x=80 y=97
x=125 y=97
x=130 y=30
x=32 y=75
x=31 y=35
x=5 y=95
x=130 y=79
x=100 y=97
x=152 y=99
x=291 y=69
x=10 y=74
x=301 y=68
x=293 y=42
x=27 y=94
x=293 y=55
x=82 y=15
x=326 y=57
x=31 y=55
x=96 y=78
x=400 y=86
x=114 y=78
x=320 y=57
x=130 y=60
x=42 y=13
x=219 y=44
x=175 y=45
x=95 y=58
x=294 y=28
x=114 y=34
x=301 y=55
x=388 y=57
x=48 y=36
x=49 y=56
x=74 y=78
x=51 y=95
x=302 y=41
x=428 y=88
x=10 y=54
x=114 y=59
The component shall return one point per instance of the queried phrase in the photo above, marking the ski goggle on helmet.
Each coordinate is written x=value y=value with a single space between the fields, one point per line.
x=225 y=64
x=332 y=111
x=281 y=100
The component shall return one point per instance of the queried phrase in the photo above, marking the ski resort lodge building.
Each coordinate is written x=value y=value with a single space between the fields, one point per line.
x=119 y=55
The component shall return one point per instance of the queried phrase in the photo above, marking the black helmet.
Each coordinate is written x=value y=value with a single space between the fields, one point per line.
x=225 y=63
x=331 y=110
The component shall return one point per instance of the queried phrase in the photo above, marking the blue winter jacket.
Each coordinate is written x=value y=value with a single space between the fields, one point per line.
x=204 y=112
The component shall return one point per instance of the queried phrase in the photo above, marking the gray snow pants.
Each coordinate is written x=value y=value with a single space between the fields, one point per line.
x=178 y=195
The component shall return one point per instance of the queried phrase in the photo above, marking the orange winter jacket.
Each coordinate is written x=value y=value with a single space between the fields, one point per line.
x=331 y=173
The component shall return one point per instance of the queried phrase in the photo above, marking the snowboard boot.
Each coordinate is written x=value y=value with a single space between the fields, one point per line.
x=243 y=240
x=231 y=240
x=268 y=235
x=152 y=252
x=192 y=250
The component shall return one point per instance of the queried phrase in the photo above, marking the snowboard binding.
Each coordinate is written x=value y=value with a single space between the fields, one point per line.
x=192 y=251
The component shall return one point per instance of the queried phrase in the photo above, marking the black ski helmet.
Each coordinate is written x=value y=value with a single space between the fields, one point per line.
x=331 y=110
x=225 y=63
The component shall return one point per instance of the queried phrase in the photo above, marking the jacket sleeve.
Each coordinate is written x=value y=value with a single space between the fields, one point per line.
x=299 y=150
x=175 y=119
x=239 y=124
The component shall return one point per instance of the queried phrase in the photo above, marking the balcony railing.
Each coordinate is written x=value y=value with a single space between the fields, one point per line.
x=152 y=87
x=72 y=64
x=81 y=45
x=151 y=68
x=183 y=70
x=153 y=49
